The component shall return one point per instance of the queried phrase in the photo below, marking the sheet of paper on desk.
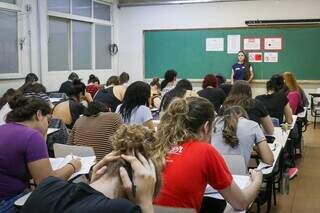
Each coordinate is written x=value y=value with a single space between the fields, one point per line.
x=241 y=180
x=86 y=164
x=51 y=130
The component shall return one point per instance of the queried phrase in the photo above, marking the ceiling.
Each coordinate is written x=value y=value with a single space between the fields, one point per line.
x=128 y=3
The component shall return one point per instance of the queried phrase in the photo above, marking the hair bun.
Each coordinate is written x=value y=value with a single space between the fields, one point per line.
x=178 y=106
x=92 y=76
x=17 y=101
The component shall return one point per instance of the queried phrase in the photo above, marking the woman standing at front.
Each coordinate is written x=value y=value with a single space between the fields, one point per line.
x=242 y=70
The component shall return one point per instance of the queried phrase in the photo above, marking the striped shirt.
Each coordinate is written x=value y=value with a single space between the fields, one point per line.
x=95 y=131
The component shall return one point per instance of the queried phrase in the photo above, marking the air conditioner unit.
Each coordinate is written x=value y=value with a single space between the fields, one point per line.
x=282 y=22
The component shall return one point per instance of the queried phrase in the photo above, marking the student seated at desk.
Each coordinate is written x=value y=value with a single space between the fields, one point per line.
x=295 y=94
x=168 y=82
x=112 y=95
x=155 y=99
x=192 y=162
x=69 y=111
x=121 y=182
x=134 y=109
x=276 y=102
x=94 y=129
x=234 y=134
x=93 y=85
x=23 y=150
x=4 y=105
x=241 y=95
x=210 y=91
x=183 y=89
x=66 y=87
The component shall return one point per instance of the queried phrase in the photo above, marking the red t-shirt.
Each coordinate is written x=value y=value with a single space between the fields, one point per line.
x=92 y=89
x=189 y=168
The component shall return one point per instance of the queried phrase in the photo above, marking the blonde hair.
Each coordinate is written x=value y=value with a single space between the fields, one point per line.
x=182 y=120
x=133 y=139
x=290 y=81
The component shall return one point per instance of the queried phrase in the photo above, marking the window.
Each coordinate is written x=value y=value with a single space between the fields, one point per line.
x=101 y=11
x=103 y=40
x=58 y=42
x=81 y=45
x=9 y=60
x=62 y=6
x=81 y=7
x=8 y=1
x=79 y=35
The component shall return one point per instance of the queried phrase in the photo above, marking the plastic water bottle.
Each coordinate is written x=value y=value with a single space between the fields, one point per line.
x=284 y=187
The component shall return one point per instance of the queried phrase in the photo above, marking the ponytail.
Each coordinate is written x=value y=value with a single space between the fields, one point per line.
x=231 y=117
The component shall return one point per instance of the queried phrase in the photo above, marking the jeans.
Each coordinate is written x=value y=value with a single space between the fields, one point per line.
x=7 y=206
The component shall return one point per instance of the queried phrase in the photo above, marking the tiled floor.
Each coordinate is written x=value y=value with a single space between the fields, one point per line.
x=304 y=195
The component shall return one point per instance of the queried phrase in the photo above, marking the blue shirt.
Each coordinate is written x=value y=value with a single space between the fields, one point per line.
x=239 y=71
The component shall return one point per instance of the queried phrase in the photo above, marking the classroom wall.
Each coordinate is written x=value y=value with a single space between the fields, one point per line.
x=133 y=20
x=36 y=59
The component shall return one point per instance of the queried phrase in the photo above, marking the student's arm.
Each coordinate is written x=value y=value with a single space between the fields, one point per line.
x=267 y=125
x=231 y=78
x=241 y=199
x=88 y=97
x=288 y=114
x=265 y=152
x=41 y=169
x=251 y=74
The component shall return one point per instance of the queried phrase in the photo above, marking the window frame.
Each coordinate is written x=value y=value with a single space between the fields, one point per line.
x=21 y=34
x=93 y=21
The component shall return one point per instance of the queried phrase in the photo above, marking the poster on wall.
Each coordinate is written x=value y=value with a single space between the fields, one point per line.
x=233 y=44
x=255 y=57
x=252 y=43
x=273 y=43
x=271 y=57
x=215 y=44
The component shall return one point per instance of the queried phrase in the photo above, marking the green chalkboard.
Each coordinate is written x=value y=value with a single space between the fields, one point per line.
x=185 y=51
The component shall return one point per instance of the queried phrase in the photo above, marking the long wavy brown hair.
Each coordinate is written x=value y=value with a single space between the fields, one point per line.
x=240 y=95
x=291 y=82
x=230 y=118
x=182 y=120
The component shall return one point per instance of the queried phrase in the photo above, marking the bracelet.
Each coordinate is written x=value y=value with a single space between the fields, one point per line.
x=74 y=168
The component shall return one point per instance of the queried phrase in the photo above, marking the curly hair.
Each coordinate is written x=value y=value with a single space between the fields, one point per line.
x=133 y=139
x=24 y=108
x=182 y=120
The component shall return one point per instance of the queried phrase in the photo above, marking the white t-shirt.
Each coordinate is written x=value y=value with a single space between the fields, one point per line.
x=139 y=115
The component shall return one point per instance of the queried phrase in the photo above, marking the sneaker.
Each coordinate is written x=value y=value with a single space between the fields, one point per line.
x=292 y=172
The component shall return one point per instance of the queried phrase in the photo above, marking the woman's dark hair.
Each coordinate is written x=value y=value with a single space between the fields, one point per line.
x=220 y=79
x=6 y=96
x=231 y=117
x=113 y=80
x=73 y=76
x=246 y=64
x=154 y=82
x=182 y=120
x=94 y=108
x=124 y=78
x=169 y=76
x=178 y=92
x=209 y=80
x=93 y=79
x=78 y=88
x=24 y=109
x=31 y=77
x=35 y=88
x=137 y=93
x=240 y=95
x=278 y=81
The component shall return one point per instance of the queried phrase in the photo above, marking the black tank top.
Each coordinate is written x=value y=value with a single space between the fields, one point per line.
x=107 y=97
